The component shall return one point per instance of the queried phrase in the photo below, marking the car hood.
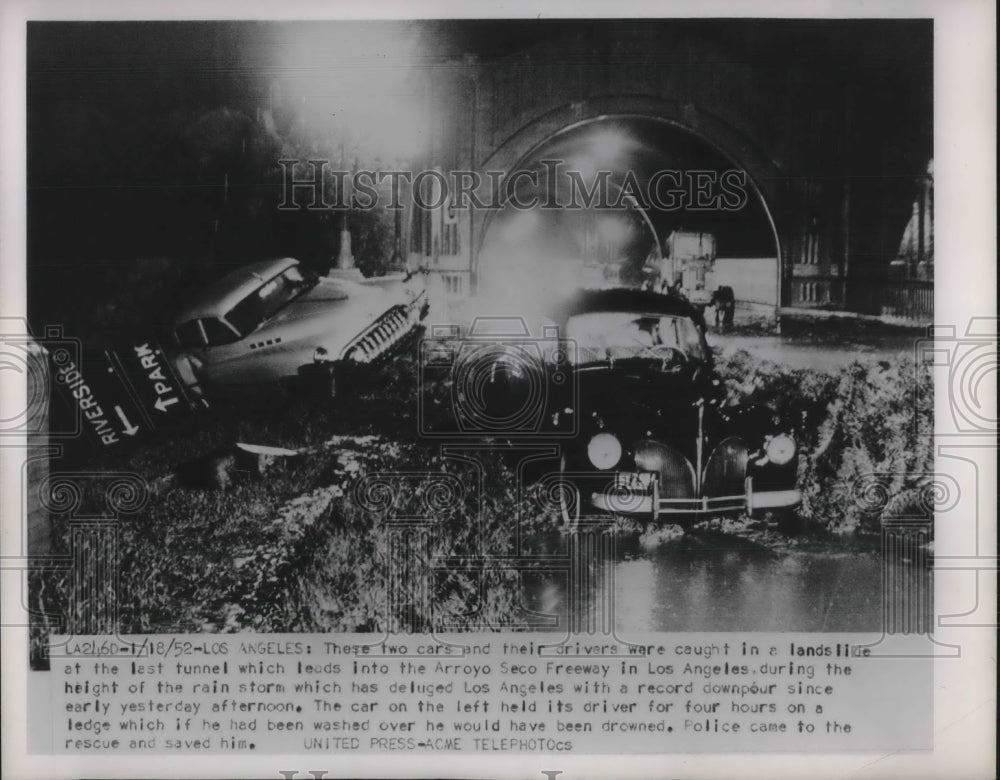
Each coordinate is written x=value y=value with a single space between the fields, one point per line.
x=326 y=299
x=327 y=316
x=631 y=386
x=641 y=401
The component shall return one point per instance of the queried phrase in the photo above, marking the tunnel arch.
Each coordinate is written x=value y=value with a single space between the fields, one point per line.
x=765 y=177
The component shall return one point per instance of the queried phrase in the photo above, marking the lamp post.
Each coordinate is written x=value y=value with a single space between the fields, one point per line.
x=397 y=261
x=345 y=257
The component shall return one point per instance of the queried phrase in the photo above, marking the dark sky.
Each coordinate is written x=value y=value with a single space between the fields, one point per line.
x=129 y=61
x=142 y=63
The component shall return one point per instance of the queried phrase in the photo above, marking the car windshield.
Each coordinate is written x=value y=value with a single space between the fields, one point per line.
x=268 y=299
x=613 y=335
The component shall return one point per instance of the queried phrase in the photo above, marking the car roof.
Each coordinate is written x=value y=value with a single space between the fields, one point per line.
x=221 y=295
x=623 y=299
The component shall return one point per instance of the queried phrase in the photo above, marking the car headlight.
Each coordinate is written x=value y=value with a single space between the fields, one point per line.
x=604 y=451
x=780 y=449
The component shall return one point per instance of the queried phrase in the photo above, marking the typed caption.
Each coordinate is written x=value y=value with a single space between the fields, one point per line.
x=523 y=693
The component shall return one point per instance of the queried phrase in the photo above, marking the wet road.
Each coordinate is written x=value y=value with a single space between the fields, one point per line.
x=796 y=353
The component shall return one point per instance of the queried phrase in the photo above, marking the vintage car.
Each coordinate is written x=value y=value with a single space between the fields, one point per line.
x=275 y=324
x=652 y=435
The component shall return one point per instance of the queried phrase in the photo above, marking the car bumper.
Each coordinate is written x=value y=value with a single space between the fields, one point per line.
x=627 y=501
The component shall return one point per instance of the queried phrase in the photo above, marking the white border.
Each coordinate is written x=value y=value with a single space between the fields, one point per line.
x=965 y=183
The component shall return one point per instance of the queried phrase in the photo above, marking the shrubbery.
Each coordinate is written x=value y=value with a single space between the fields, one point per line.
x=290 y=554
x=858 y=432
x=420 y=543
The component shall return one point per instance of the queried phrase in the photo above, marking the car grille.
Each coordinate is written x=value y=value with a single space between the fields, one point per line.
x=676 y=472
x=726 y=469
x=380 y=336
x=724 y=475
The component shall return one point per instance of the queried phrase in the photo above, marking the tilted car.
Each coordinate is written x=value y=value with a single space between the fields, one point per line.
x=275 y=323
x=652 y=435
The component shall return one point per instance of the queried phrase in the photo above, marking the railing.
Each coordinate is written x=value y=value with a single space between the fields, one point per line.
x=909 y=299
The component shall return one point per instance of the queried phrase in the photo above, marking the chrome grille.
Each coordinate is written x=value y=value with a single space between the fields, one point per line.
x=726 y=469
x=676 y=472
x=380 y=336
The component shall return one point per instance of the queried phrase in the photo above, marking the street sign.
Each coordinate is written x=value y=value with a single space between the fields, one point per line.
x=123 y=392
x=158 y=391
x=103 y=404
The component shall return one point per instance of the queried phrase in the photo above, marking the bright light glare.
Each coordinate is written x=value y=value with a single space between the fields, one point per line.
x=607 y=145
x=521 y=226
x=357 y=84
x=614 y=231
x=585 y=165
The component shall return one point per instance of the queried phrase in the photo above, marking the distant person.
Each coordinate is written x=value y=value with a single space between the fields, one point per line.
x=724 y=302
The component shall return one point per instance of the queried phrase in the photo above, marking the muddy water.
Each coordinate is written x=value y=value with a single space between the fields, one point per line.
x=710 y=581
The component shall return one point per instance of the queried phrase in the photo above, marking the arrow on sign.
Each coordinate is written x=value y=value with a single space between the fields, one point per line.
x=130 y=430
x=163 y=403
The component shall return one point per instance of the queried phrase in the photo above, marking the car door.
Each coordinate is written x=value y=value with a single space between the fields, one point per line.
x=232 y=361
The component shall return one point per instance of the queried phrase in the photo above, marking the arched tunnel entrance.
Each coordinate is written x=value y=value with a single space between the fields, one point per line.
x=628 y=200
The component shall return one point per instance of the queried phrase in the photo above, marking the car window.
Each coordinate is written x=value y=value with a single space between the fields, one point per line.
x=189 y=335
x=623 y=335
x=268 y=299
x=246 y=315
x=217 y=332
